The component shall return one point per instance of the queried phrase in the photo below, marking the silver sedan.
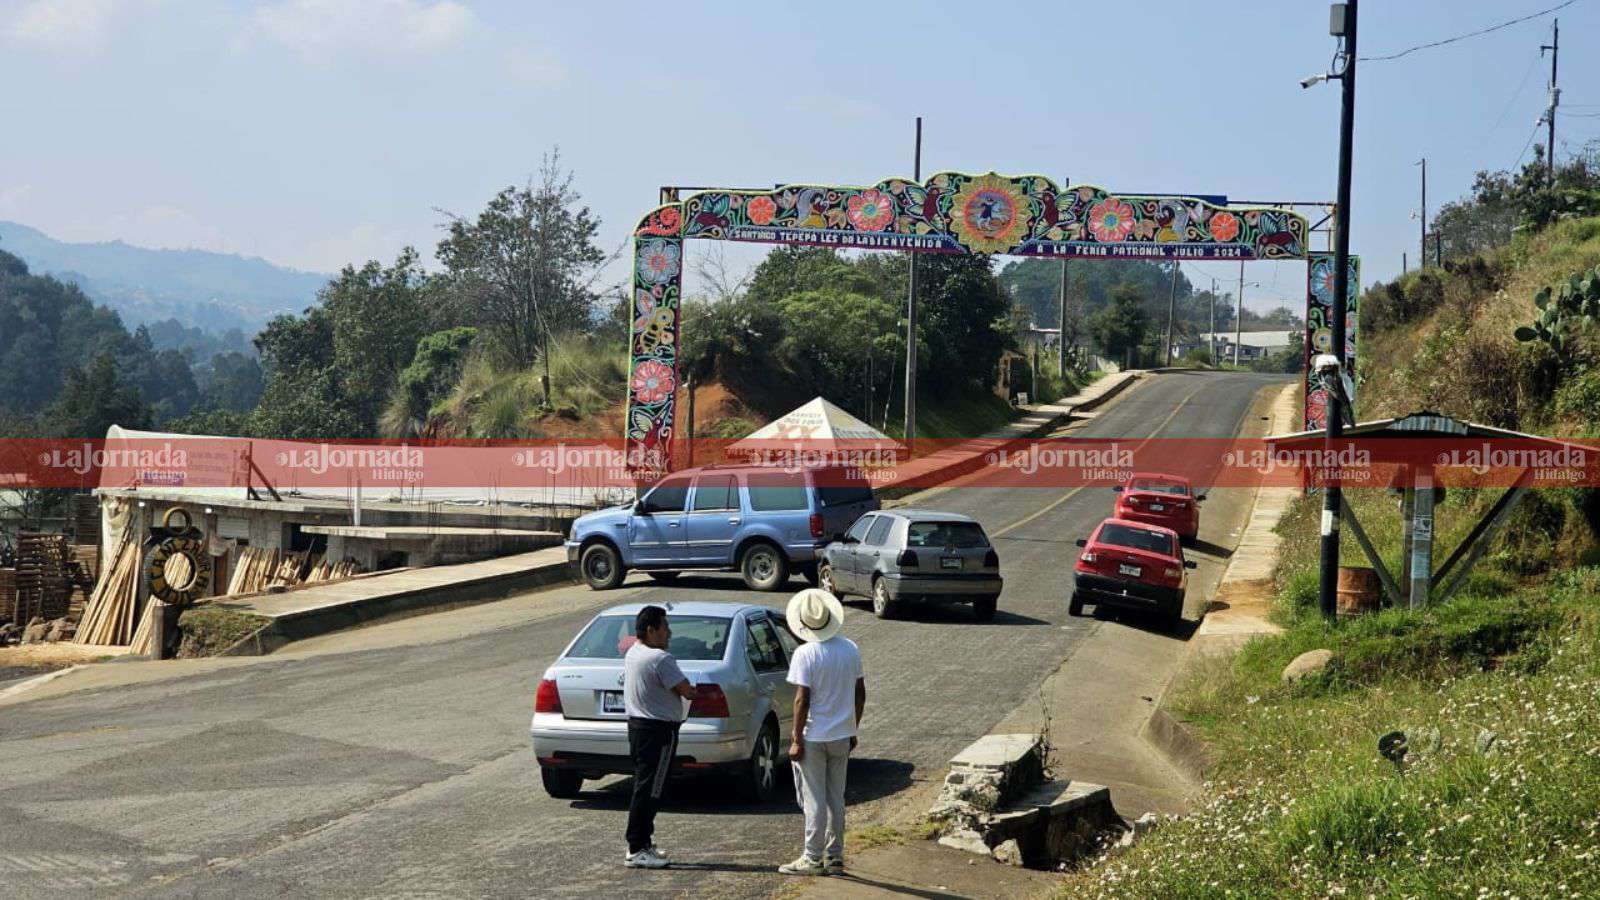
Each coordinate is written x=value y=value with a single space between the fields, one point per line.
x=736 y=655
x=897 y=555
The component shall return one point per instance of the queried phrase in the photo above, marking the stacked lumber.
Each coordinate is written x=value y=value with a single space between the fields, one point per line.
x=42 y=585
x=259 y=569
x=8 y=596
x=112 y=614
x=330 y=570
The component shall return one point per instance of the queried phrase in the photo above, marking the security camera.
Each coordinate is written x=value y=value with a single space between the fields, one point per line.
x=1313 y=81
x=1325 y=364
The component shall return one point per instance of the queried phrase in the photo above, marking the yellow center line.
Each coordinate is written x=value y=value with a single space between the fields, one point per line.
x=1074 y=492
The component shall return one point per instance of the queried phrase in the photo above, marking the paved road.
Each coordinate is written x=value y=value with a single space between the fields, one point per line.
x=406 y=771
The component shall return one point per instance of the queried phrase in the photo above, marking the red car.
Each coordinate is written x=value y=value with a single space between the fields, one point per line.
x=1165 y=500
x=1132 y=565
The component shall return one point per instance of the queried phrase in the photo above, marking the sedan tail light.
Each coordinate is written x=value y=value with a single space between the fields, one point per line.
x=816 y=525
x=1174 y=573
x=548 y=699
x=908 y=559
x=991 y=559
x=709 y=702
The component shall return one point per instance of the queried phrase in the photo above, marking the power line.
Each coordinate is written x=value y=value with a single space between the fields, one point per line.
x=1531 y=136
x=1532 y=63
x=1462 y=37
x=1593 y=115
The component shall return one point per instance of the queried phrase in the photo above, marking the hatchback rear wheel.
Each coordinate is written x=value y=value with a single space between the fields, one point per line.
x=983 y=608
x=764 y=568
x=883 y=606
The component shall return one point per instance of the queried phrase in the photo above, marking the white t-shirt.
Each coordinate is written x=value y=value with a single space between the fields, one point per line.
x=830 y=669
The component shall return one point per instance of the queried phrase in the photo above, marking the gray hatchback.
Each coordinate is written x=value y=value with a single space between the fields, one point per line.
x=898 y=555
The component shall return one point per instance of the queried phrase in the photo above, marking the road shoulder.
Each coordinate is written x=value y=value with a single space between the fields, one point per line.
x=1095 y=708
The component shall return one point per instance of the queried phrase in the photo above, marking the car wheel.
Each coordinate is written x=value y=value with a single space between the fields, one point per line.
x=761 y=775
x=663 y=577
x=1075 y=607
x=983 y=608
x=825 y=580
x=1175 y=612
x=764 y=568
x=601 y=566
x=559 y=784
x=883 y=606
x=809 y=571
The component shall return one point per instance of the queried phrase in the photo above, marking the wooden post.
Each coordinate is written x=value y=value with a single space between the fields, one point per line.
x=158 y=629
x=1422 y=537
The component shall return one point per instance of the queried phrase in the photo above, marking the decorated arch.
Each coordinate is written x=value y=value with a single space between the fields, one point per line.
x=950 y=212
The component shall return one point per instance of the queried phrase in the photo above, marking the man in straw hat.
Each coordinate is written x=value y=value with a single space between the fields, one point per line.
x=830 y=695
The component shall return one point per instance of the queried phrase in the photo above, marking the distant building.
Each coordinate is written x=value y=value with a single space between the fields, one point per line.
x=1252 y=344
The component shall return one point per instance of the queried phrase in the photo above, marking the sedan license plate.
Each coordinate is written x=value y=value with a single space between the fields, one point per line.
x=1157 y=507
x=611 y=702
x=1131 y=571
x=949 y=562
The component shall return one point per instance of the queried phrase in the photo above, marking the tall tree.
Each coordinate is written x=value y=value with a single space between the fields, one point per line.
x=522 y=268
x=964 y=320
x=94 y=399
x=1124 y=325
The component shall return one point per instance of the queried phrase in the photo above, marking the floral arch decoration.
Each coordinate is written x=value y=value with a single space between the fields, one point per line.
x=951 y=212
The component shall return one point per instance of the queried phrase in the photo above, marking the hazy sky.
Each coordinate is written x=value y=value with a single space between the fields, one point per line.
x=317 y=132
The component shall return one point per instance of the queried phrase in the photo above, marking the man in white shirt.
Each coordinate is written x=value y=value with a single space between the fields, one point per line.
x=830 y=695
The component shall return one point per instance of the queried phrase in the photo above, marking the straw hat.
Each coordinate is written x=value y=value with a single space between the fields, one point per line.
x=815 y=615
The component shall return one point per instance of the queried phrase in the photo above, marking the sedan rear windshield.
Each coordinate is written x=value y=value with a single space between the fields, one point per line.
x=1136 y=538
x=961 y=535
x=693 y=637
x=1160 y=487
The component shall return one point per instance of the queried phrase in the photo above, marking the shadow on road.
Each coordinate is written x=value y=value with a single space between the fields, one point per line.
x=870 y=778
x=900 y=889
x=946 y=613
x=1216 y=551
x=1147 y=622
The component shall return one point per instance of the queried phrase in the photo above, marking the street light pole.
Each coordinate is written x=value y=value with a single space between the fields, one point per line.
x=1334 y=416
x=1061 y=358
x=911 y=320
x=1172 y=306
x=1212 y=349
x=1238 y=318
x=1424 y=164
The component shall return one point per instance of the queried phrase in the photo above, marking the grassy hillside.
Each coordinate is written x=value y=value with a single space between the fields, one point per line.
x=1497 y=690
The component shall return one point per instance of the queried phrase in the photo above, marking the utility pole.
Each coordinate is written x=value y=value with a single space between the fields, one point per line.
x=1061 y=359
x=1555 y=100
x=1343 y=26
x=1424 y=163
x=911 y=318
x=1438 y=250
x=1172 y=308
x=1238 y=319
x=1212 y=349
x=1404 y=263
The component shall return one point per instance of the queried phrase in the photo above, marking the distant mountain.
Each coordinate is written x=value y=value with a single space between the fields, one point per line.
x=212 y=291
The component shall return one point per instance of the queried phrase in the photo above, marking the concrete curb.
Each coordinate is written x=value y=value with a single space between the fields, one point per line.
x=22 y=687
x=1164 y=731
x=287 y=629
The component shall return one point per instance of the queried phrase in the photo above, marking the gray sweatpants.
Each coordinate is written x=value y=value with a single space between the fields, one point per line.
x=819 y=786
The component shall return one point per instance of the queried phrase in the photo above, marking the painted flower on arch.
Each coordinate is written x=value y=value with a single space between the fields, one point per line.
x=659 y=261
x=652 y=382
x=989 y=214
x=761 y=210
x=1111 y=220
x=870 y=210
x=1224 y=226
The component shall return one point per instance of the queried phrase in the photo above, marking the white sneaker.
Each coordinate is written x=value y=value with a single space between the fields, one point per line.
x=805 y=865
x=660 y=852
x=645 y=859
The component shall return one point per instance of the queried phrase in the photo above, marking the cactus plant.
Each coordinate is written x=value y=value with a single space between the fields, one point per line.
x=1562 y=315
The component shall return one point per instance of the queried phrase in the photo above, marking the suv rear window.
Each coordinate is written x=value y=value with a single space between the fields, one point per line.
x=961 y=535
x=1137 y=538
x=777 y=492
x=693 y=637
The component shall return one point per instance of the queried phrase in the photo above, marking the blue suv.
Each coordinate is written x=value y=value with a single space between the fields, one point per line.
x=760 y=521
